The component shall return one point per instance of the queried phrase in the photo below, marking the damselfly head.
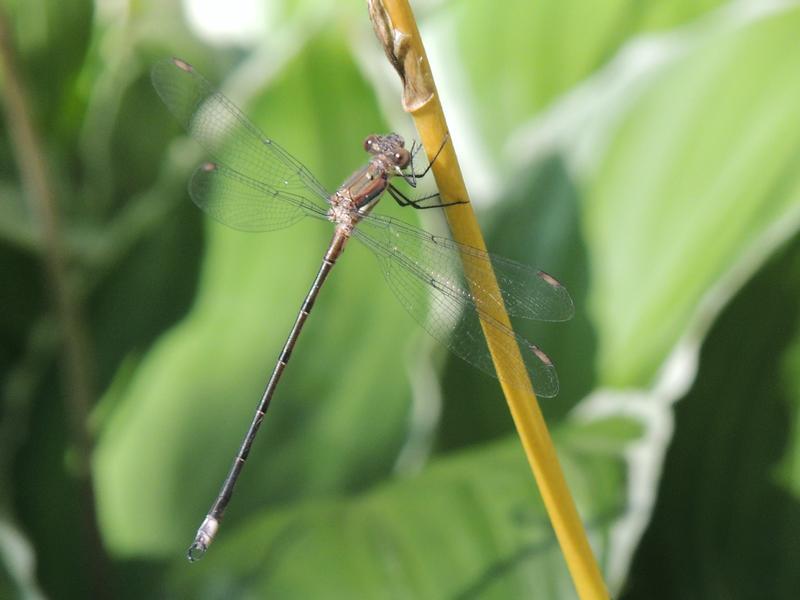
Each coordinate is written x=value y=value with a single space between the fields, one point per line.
x=391 y=146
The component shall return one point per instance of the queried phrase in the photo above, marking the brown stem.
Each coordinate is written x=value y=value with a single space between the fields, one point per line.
x=76 y=353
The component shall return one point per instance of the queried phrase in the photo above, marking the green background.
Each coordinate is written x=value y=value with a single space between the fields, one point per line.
x=645 y=153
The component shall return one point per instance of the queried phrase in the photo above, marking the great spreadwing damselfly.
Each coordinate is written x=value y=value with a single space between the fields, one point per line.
x=255 y=185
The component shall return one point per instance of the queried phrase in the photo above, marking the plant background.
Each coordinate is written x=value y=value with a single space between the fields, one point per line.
x=646 y=153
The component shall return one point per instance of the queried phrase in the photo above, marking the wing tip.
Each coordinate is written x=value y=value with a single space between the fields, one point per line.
x=568 y=305
x=569 y=309
x=545 y=380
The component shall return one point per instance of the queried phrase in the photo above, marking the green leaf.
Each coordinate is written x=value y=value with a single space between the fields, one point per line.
x=725 y=522
x=535 y=51
x=471 y=525
x=703 y=164
x=789 y=470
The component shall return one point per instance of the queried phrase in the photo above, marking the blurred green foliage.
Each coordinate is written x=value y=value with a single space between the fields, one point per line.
x=647 y=154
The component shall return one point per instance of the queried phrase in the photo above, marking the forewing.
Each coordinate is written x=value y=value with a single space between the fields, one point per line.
x=224 y=131
x=525 y=292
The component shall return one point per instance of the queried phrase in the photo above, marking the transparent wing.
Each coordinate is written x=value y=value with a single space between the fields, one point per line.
x=425 y=273
x=224 y=131
x=236 y=201
x=525 y=292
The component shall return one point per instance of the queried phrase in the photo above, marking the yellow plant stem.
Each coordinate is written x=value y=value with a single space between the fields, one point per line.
x=396 y=28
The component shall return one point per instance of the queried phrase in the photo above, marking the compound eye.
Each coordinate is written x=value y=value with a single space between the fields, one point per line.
x=402 y=157
x=370 y=143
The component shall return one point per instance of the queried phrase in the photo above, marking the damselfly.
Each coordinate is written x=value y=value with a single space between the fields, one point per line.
x=255 y=185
